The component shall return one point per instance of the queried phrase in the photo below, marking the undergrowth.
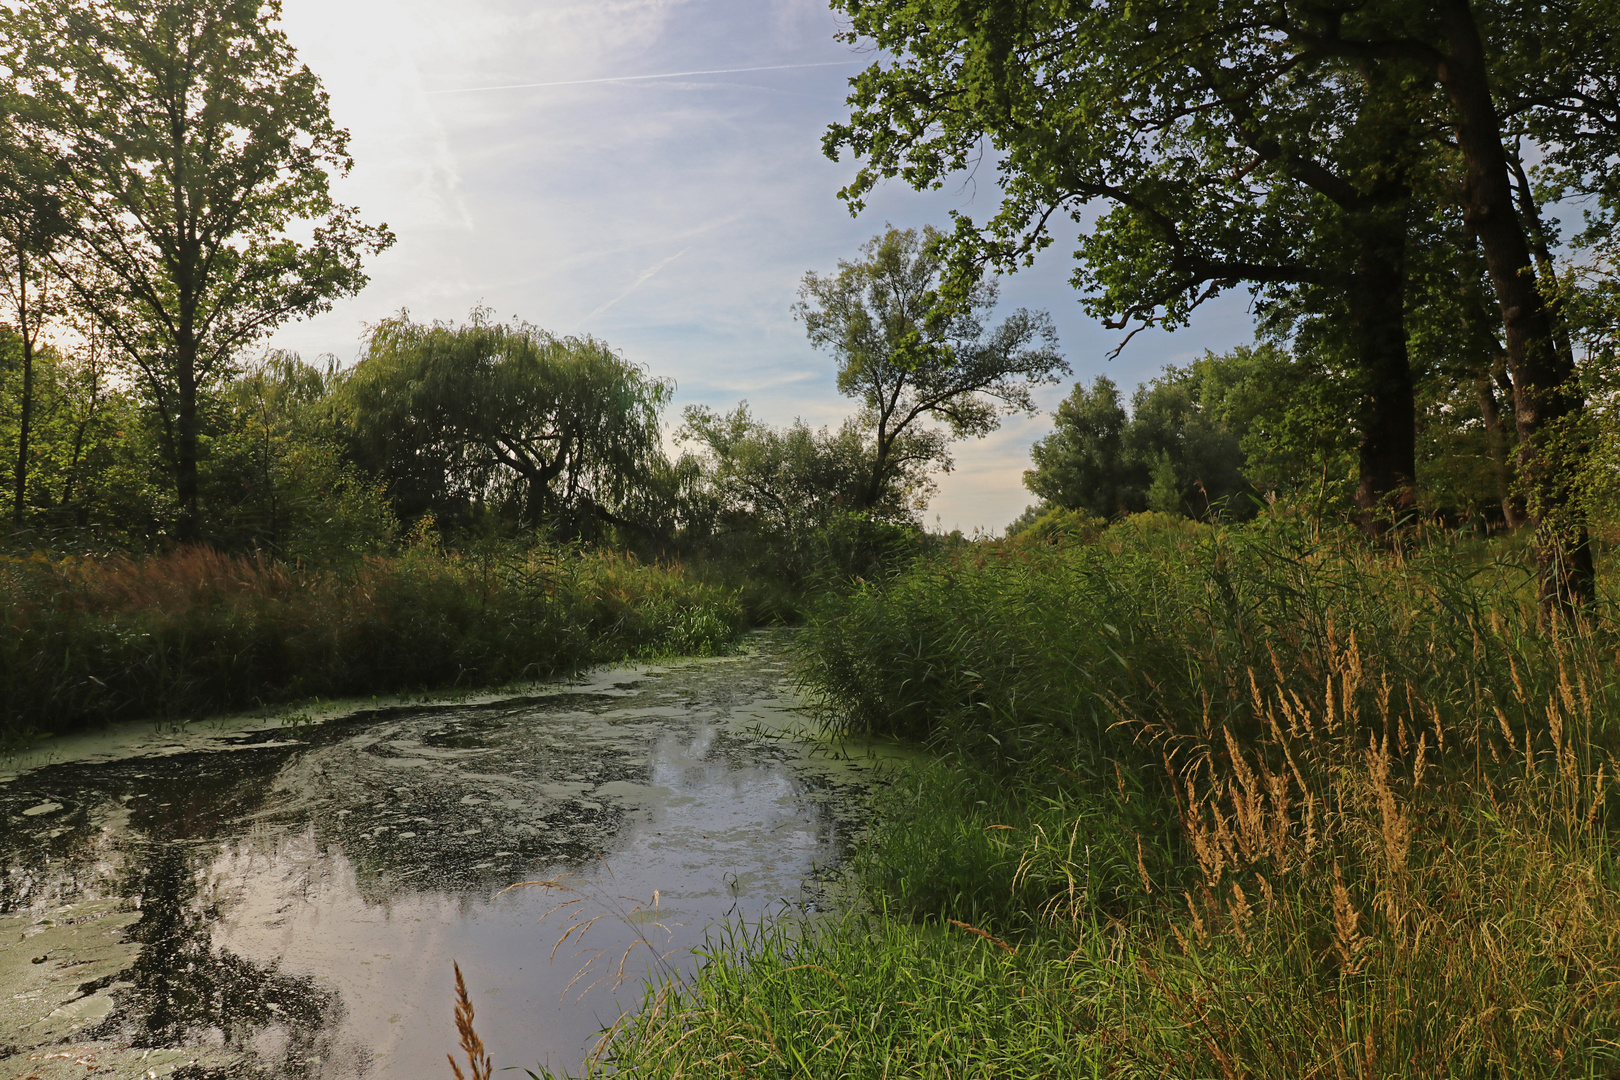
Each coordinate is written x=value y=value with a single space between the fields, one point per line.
x=1208 y=803
x=191 y=632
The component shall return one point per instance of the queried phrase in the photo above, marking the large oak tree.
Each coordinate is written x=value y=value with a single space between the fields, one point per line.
x=1284 y=144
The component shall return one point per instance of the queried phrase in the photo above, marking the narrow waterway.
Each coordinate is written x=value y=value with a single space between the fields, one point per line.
x=285 y=898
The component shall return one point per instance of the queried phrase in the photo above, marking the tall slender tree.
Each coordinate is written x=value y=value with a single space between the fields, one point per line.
x=30 y=220
x=194 y=156
x=909 y=354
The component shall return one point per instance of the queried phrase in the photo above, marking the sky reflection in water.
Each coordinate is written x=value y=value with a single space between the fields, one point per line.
x=286 y=903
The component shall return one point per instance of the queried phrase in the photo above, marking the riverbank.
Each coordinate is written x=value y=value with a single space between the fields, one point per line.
x=193 y=632
x=1209 y=802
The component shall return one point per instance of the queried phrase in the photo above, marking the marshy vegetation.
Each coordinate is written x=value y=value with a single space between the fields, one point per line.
x=1278 y=740
x=180 y=635
x=1209 y=802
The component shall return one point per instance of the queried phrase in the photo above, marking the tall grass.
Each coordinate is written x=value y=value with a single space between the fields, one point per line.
x=1210 y=803
x=194 y=631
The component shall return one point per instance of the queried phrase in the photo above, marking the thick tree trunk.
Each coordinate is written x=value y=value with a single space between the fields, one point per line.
x=1542 y=392
x=1377 y=300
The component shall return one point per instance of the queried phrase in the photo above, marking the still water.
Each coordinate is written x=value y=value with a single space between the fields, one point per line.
x=265 y=898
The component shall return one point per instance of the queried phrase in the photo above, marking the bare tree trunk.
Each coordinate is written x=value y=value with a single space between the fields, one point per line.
x=1543 y=394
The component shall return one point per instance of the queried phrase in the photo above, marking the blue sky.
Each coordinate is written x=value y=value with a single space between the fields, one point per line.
x=672 y=217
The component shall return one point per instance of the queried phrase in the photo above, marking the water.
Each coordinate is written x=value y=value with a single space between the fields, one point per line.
x=237 y=900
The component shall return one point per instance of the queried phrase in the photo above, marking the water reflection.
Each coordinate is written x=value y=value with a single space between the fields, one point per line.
x=182 y=990
x=287 y=903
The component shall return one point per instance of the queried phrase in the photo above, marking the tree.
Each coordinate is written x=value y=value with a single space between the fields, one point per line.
x=1083 y=464
x=1203 y=439
x=782 y=482
x=192 y=150
x=277 y=479
x=556 y=430
x=29 y=222
x=1242 y=141
x=84 y=446
x=905 y=352
x=1221 y=166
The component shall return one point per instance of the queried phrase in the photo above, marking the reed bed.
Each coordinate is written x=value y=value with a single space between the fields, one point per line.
x=1209 y=803
x=194 y=631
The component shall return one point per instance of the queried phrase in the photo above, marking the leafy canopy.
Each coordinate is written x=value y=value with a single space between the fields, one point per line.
x=561 y=429
x=906 y=351
x=190 y=154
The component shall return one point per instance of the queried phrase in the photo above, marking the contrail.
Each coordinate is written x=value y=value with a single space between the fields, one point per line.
x=641 y=78
x=639 y=282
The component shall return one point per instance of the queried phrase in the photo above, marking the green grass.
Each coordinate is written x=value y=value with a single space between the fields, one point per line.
x=1208 y=803
x=194 y=631
x=873 y=996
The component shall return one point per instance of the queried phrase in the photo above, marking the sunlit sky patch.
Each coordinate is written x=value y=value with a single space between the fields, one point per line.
x=650 y=172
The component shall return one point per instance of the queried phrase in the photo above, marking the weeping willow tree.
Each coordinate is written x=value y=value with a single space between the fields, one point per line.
x=546 y=430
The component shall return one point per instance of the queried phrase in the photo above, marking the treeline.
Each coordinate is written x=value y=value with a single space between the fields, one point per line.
x=1384 y=178
x=195 y=524
x=463 y=432
x=485 y=494
x=1228 y=434
x=165 y=204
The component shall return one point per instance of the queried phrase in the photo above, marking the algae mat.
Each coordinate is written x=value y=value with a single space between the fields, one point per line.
x=254 y=898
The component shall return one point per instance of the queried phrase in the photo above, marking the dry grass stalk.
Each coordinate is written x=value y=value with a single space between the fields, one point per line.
x=478 y=1061
x=986 y=935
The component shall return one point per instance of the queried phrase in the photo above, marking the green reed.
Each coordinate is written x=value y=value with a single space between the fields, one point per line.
x=194 y=631
x=1208 y=803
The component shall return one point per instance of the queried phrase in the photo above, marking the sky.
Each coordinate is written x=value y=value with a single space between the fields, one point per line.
x=650 y=172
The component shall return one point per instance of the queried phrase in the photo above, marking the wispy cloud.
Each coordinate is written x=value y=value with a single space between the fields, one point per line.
x=638 y=283
x=643 y=78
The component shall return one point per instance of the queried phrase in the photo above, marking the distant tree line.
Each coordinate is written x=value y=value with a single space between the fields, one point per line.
x=1225 y=435
x=165 y=204
x=458 y=432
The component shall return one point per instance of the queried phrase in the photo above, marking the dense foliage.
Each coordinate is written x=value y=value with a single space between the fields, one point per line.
x=184 y=157
x=1367 y=170
x=193 y=632
x=1225 y=433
